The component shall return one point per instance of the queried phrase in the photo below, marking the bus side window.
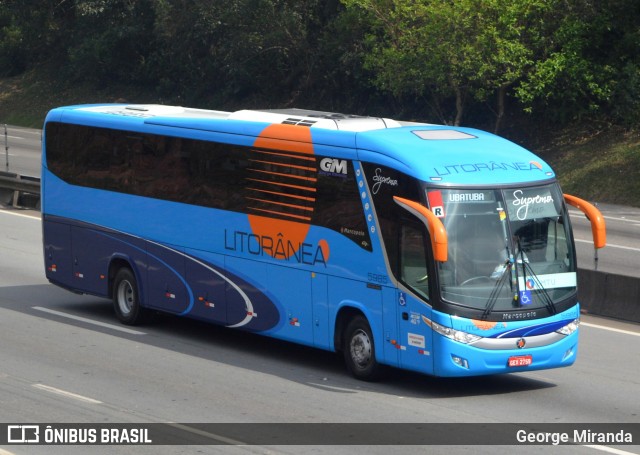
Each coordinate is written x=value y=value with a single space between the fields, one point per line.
x=413 y=258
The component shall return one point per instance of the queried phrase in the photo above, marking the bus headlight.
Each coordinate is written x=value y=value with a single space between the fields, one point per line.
x=570 y=327
x=456 y=335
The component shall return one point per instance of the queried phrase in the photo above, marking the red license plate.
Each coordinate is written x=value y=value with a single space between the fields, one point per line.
x=520 y=360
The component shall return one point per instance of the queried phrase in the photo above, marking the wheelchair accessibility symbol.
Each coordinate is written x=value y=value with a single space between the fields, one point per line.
x=525 y=297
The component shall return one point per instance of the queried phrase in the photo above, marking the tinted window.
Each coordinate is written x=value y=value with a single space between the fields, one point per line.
x=413 y=258
x=272 y=183
x=385 y=183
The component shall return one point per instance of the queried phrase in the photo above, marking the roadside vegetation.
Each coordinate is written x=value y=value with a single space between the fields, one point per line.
x=602 y=166
x=561 y=77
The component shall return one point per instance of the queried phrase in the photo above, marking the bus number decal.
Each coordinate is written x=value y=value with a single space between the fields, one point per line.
x=377 y=278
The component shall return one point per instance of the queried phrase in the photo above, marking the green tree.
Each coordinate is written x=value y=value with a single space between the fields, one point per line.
x=570 y=77
x=559 y=60
x=468 y=50
x=12 y=57
x=31 y=31
x=251 y=50
x=110 y=41
x=460 y=50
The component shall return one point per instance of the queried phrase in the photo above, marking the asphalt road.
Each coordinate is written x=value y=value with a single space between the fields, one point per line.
x=622 y=253
x=65 y=358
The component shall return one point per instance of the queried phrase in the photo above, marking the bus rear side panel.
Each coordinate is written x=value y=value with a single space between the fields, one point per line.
x=57 y=252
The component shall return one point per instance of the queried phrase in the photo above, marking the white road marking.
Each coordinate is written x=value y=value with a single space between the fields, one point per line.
x=606 y=217
x=64 y=393
x=23 y=215
x=89 y=321
x=213 y=436
x=610 y=450
x=609 y=245
x=610 y=329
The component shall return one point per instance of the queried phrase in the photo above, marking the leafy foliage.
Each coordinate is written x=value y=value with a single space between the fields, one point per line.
x=453 y=61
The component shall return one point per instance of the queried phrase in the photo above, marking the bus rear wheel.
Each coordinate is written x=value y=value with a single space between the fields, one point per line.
x=359 y=350
x=126 y=299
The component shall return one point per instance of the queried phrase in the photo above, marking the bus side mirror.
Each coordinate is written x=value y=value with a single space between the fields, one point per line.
x=436 y=229
x=598 y=228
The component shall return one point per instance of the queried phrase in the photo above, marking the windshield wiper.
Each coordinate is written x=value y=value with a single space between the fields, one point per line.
x=507 y=270
x=524 y=262
x=546 y=298
x=495 y=292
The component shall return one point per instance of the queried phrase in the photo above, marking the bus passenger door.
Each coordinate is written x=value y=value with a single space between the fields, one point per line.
x=390 y=325
x=416 y=337
x=320 y=299
x=416 y=348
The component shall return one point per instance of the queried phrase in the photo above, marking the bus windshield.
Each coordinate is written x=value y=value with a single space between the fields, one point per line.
x=509 y=249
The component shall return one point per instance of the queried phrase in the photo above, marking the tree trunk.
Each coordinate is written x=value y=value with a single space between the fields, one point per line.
x=502 y=93
x=459 y=106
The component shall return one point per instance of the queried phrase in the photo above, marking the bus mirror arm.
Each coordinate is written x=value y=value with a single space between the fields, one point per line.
x=437 y=232
x=598 y=228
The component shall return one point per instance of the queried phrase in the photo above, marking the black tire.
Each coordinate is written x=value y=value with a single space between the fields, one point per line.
x=359 y=350
x=126 y=298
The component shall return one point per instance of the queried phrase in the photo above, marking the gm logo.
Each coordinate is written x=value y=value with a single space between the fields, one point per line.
x=334 y=166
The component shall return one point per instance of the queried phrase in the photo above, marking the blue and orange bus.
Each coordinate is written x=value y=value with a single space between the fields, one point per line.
x=443 y=250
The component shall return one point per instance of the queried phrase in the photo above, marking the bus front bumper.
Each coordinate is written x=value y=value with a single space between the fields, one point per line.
x=458 y=359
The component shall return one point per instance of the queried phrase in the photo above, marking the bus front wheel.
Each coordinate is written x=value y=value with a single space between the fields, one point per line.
x=359 y=351
x=126 y=299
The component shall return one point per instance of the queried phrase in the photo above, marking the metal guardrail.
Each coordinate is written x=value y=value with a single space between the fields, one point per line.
x=19 y=191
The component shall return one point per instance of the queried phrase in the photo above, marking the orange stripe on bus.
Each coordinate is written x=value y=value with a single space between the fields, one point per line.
x=288 y=185
x=289 y=138
x=284 y=204
x=286 y=155
x=275 y=212
x=283 y=138
x=293 y=166
x=280 y=174
x=277 y=193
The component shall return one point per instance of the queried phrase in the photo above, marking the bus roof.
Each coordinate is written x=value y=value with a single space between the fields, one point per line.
x=434 y=153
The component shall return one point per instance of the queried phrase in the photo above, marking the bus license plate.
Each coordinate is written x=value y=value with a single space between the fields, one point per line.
x=520 y=360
